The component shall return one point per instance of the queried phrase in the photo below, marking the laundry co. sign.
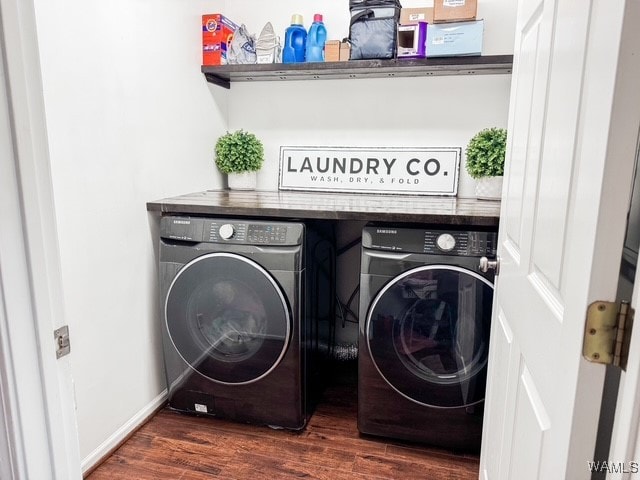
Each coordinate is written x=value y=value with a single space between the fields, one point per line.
x=415 y=171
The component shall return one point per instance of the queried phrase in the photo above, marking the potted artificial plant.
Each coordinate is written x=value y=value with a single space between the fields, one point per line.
x=240 y=155
x=485 y=162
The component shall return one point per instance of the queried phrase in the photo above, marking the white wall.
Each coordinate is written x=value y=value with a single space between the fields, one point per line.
x=130 y=119
x=436 y=111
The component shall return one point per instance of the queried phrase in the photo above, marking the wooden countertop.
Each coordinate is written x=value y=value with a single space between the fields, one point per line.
x=336 y=206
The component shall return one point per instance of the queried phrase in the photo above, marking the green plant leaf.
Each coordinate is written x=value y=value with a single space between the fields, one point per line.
x=486 y=153
x=239 y=152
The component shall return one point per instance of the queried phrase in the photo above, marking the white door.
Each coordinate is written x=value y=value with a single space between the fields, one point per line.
x=37 y=416
x=573 y=125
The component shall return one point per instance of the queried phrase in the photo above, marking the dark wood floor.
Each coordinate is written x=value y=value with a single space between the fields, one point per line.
x=182 y=447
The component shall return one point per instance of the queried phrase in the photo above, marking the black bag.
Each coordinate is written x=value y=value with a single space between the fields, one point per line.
x=373 y=29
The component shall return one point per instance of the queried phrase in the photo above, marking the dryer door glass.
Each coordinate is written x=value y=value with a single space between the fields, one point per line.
x=228 y=318
x=427 y=332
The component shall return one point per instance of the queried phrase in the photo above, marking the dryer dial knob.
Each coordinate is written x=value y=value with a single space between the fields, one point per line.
x=446 y=242
x=227 y=231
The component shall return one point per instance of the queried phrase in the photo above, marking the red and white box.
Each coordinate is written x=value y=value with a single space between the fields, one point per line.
x=217 y=32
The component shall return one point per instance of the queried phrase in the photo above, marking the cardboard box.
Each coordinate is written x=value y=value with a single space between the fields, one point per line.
x=345 y=51
x=336 y=51
x=217 y=32
x=409 y=16
x=454 y=10
x=332 y=51
x=412 y=40
x=452 y=39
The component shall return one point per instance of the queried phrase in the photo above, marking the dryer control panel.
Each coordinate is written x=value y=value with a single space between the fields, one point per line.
x=473 y=243
x=235 y=231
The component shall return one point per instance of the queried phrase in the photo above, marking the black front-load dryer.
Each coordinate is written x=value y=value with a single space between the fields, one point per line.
x=425 y=313
x=241 y=332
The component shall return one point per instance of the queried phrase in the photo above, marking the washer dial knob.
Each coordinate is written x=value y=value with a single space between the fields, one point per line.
x=227 y=231
x=446 y=242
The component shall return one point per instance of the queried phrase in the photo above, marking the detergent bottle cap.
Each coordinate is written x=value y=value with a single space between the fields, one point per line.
x=317 y=17
x=296 y=19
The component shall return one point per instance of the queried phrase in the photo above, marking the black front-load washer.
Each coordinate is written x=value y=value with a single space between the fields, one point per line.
x=425 y=313
x=242 y=332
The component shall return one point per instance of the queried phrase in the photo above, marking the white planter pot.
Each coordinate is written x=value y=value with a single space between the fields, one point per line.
x=489 y=188
x=242 y=181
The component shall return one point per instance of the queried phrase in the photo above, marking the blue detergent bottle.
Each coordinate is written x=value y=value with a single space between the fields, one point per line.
x=316 y=40
x=295 y=38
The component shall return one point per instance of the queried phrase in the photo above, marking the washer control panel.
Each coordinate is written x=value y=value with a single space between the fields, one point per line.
x=470 y=243
x=225 y=231
x=235 y=231
x=475 y=244
x=267 y=233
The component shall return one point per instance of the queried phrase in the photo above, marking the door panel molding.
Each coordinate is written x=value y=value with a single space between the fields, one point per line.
x=30 y=259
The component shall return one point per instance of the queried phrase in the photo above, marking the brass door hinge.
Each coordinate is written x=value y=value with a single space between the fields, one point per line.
x=607 y=333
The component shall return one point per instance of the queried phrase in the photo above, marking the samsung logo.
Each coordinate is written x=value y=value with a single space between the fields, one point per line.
x=182 y=222
x=386 y=230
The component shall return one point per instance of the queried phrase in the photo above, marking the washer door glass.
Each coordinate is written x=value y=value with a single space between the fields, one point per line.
x=228 y=318
x=427 y=332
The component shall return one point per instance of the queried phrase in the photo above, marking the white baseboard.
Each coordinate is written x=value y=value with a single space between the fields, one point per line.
x=110 y=444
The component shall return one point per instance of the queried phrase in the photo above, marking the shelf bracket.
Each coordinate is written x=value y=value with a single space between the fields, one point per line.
x=217 y=80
